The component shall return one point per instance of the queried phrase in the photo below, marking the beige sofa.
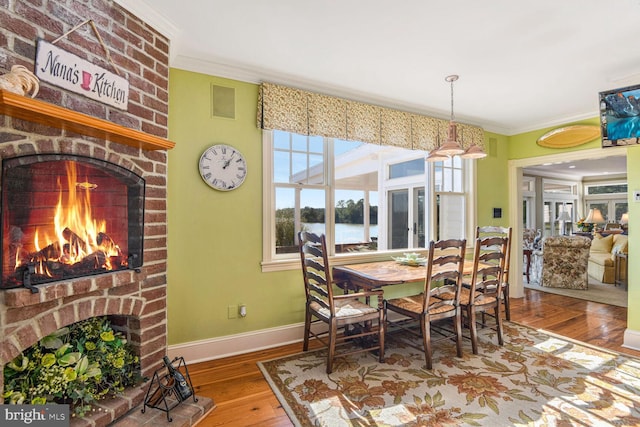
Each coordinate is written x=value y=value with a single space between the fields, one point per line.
x=602 y=256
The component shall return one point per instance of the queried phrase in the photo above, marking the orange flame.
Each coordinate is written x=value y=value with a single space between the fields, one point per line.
x=77 y=235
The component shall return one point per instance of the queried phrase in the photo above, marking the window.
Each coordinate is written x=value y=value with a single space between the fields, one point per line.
x=450 y=199
x=408 y=168
x=558 y=196
x=610 y=197
x=606 y=189
x=365 y=198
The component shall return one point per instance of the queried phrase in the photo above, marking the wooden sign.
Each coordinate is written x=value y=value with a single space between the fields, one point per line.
x=70 y=72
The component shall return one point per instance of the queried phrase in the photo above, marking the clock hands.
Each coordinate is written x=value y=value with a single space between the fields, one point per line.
x=228 y=161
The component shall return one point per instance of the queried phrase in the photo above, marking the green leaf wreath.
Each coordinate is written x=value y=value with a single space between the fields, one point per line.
x=77 y=365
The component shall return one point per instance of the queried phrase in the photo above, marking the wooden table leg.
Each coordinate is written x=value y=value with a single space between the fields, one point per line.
x=527 y=259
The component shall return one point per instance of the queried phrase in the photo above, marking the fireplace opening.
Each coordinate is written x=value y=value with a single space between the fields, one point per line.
x=66 y=216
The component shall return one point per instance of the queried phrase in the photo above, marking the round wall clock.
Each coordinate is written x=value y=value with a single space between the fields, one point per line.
x=223 y=167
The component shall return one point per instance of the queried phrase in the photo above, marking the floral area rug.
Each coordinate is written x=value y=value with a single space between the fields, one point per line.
x=535 y=379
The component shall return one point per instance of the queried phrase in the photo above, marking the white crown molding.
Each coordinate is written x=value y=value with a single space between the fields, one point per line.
x=558 y=122
x=255 y=75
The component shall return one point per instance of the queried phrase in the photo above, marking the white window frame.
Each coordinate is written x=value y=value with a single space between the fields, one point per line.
x=273 y=262
x=469 y=187
x=609 y=198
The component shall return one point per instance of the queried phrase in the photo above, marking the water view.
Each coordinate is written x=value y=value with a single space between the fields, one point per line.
x=345 y=233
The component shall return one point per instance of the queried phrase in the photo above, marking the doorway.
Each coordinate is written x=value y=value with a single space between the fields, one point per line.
x=516 y=194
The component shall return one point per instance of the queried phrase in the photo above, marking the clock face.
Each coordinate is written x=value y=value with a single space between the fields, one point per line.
x=223 y=167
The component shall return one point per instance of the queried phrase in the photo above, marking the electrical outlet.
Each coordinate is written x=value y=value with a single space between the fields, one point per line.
x=636 y=196
x=243 y=310
x=232 y=312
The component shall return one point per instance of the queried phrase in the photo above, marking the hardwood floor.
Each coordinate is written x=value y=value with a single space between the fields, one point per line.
x=244 y=398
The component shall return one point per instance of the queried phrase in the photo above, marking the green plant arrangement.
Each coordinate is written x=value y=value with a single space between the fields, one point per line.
x=584 y=226
x=75 y=365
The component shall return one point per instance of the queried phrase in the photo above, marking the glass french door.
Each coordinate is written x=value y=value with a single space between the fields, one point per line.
x=407 y=218
x=399 y=219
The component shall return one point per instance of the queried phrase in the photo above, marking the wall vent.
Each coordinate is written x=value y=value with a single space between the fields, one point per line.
x=493 y=147
x=223 y=101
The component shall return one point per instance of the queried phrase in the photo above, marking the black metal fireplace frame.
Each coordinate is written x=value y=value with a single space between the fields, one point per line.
x=136 y=189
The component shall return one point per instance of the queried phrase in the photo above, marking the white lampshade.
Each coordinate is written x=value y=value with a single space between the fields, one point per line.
x=564 y=216
x=589 y=216
x=624 y=219
x=594 y=217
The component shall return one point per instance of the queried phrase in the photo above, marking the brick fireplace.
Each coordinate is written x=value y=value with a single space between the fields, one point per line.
x=135 y=299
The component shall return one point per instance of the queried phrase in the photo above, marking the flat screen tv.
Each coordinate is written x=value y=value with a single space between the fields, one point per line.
x=620 y=116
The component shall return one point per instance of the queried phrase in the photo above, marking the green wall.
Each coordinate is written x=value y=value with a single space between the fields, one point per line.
x=523 y=145
x=492 y=181
x=215 y=238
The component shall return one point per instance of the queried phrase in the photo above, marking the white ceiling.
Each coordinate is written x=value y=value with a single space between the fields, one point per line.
x=522 y=65
x=608 y=167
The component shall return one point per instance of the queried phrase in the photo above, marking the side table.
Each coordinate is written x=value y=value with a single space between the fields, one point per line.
x=621 y=270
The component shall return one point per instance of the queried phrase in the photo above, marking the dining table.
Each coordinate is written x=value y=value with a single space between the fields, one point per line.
x=375 y=275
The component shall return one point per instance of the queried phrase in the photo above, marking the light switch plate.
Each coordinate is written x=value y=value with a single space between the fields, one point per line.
x=636 y=196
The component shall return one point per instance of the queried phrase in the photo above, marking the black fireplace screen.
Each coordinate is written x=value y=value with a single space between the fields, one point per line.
x=67 y=216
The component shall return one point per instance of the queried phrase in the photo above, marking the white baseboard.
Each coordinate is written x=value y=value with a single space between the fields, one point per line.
x=231 y=345
x=631 y=339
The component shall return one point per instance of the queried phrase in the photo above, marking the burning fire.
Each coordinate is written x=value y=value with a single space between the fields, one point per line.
x=77 y=238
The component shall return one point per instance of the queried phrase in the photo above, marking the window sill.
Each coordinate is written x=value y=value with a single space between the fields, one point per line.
x=342 y=259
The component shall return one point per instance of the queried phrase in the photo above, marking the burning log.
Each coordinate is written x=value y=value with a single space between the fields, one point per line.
x=87 y=265
x=75 y=242
x=108 y=245
x=105 y=241
x=50 y=252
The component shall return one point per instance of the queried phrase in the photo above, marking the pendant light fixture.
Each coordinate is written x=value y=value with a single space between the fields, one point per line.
x=474 y=152
x=435 y=155
x=451 y=147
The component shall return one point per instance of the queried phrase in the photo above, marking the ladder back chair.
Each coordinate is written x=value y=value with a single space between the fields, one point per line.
x=339 y=312
x=484 y=292
x=438 y=300
x=487 y=231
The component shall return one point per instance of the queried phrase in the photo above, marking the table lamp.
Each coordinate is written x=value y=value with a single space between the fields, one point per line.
x=624 y=220
x=563 y=218
x=595 y=217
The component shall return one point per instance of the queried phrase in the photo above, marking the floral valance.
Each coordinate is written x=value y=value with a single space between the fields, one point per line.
x=308 y=113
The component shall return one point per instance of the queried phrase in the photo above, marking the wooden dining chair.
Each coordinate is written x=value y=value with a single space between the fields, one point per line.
x=438 y=300
x=487 y=231
x=346 y=315
x=485 y=292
